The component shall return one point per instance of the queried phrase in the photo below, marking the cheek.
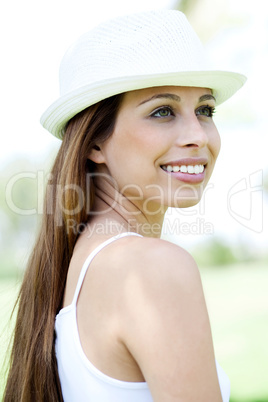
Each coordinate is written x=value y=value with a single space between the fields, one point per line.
x=136 y=144
x=218 y=145
x=215 y=142
x=124 y=158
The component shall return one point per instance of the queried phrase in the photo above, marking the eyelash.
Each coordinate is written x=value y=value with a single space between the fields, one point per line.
x=166 y=108
x=211 y=110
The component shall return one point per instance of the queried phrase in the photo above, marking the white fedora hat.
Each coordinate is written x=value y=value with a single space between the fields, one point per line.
x=156 y=48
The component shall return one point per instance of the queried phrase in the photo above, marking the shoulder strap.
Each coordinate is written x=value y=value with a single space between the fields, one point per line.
x=90 y=258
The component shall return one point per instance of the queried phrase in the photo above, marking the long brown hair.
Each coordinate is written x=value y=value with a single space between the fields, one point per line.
x=33 y=375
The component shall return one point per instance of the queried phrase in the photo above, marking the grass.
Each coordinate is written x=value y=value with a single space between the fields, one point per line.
x=8 y=292
x=237 y=301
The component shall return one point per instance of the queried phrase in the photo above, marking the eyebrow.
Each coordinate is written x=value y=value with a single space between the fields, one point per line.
x=161 y=96
x=176 y=98
x=207 y=97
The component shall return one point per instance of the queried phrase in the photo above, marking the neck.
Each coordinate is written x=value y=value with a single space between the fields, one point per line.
x=111 y=205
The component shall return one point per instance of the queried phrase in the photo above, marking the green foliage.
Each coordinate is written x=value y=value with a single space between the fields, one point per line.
x=11 y=266
x=214 y=253
x=22 y=186
x=8 y=293
x=186 y=6
x=237 y=302
x=19 y=190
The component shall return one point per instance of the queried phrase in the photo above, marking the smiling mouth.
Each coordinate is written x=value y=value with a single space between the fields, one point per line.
x=190 y=169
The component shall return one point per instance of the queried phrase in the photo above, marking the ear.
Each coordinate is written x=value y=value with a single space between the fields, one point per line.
x=96 y=155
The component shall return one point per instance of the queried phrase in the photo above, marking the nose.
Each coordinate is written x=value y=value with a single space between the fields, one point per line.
x=192 y=133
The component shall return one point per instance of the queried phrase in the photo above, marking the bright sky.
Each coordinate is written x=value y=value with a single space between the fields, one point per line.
x=36 y=34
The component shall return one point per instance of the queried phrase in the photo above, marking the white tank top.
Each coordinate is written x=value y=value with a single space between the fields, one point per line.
x=83 y=382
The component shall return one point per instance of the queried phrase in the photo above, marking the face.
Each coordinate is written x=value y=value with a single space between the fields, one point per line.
x=164 y=146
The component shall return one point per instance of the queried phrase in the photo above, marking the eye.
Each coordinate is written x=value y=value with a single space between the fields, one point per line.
x=163 y=111
x=207 y=111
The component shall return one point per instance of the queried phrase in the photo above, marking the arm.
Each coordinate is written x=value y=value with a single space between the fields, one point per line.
x=165 y=326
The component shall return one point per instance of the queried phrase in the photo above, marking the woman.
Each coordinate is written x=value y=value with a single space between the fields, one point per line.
x=107 y=310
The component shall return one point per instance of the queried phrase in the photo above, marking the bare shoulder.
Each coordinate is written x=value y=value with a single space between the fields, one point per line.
x=159 y=260
x=159 y=272
x=165 y=325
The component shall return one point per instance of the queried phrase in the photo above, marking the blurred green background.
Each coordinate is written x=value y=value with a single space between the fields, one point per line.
x=227 y=233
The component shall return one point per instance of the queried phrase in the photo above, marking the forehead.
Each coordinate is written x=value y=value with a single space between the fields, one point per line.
x=183 y=93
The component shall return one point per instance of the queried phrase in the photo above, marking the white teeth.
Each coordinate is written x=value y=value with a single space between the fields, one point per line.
x=190 y=169
x=196 y=169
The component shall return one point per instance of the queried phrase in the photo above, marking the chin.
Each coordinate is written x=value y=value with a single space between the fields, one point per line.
x=185 y=203
x=187 y=199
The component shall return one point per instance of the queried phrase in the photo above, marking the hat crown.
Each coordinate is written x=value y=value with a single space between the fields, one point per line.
x=155 y=48
x=153 y=42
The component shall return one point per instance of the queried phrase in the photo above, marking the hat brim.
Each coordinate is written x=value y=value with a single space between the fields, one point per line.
x=223 y=84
